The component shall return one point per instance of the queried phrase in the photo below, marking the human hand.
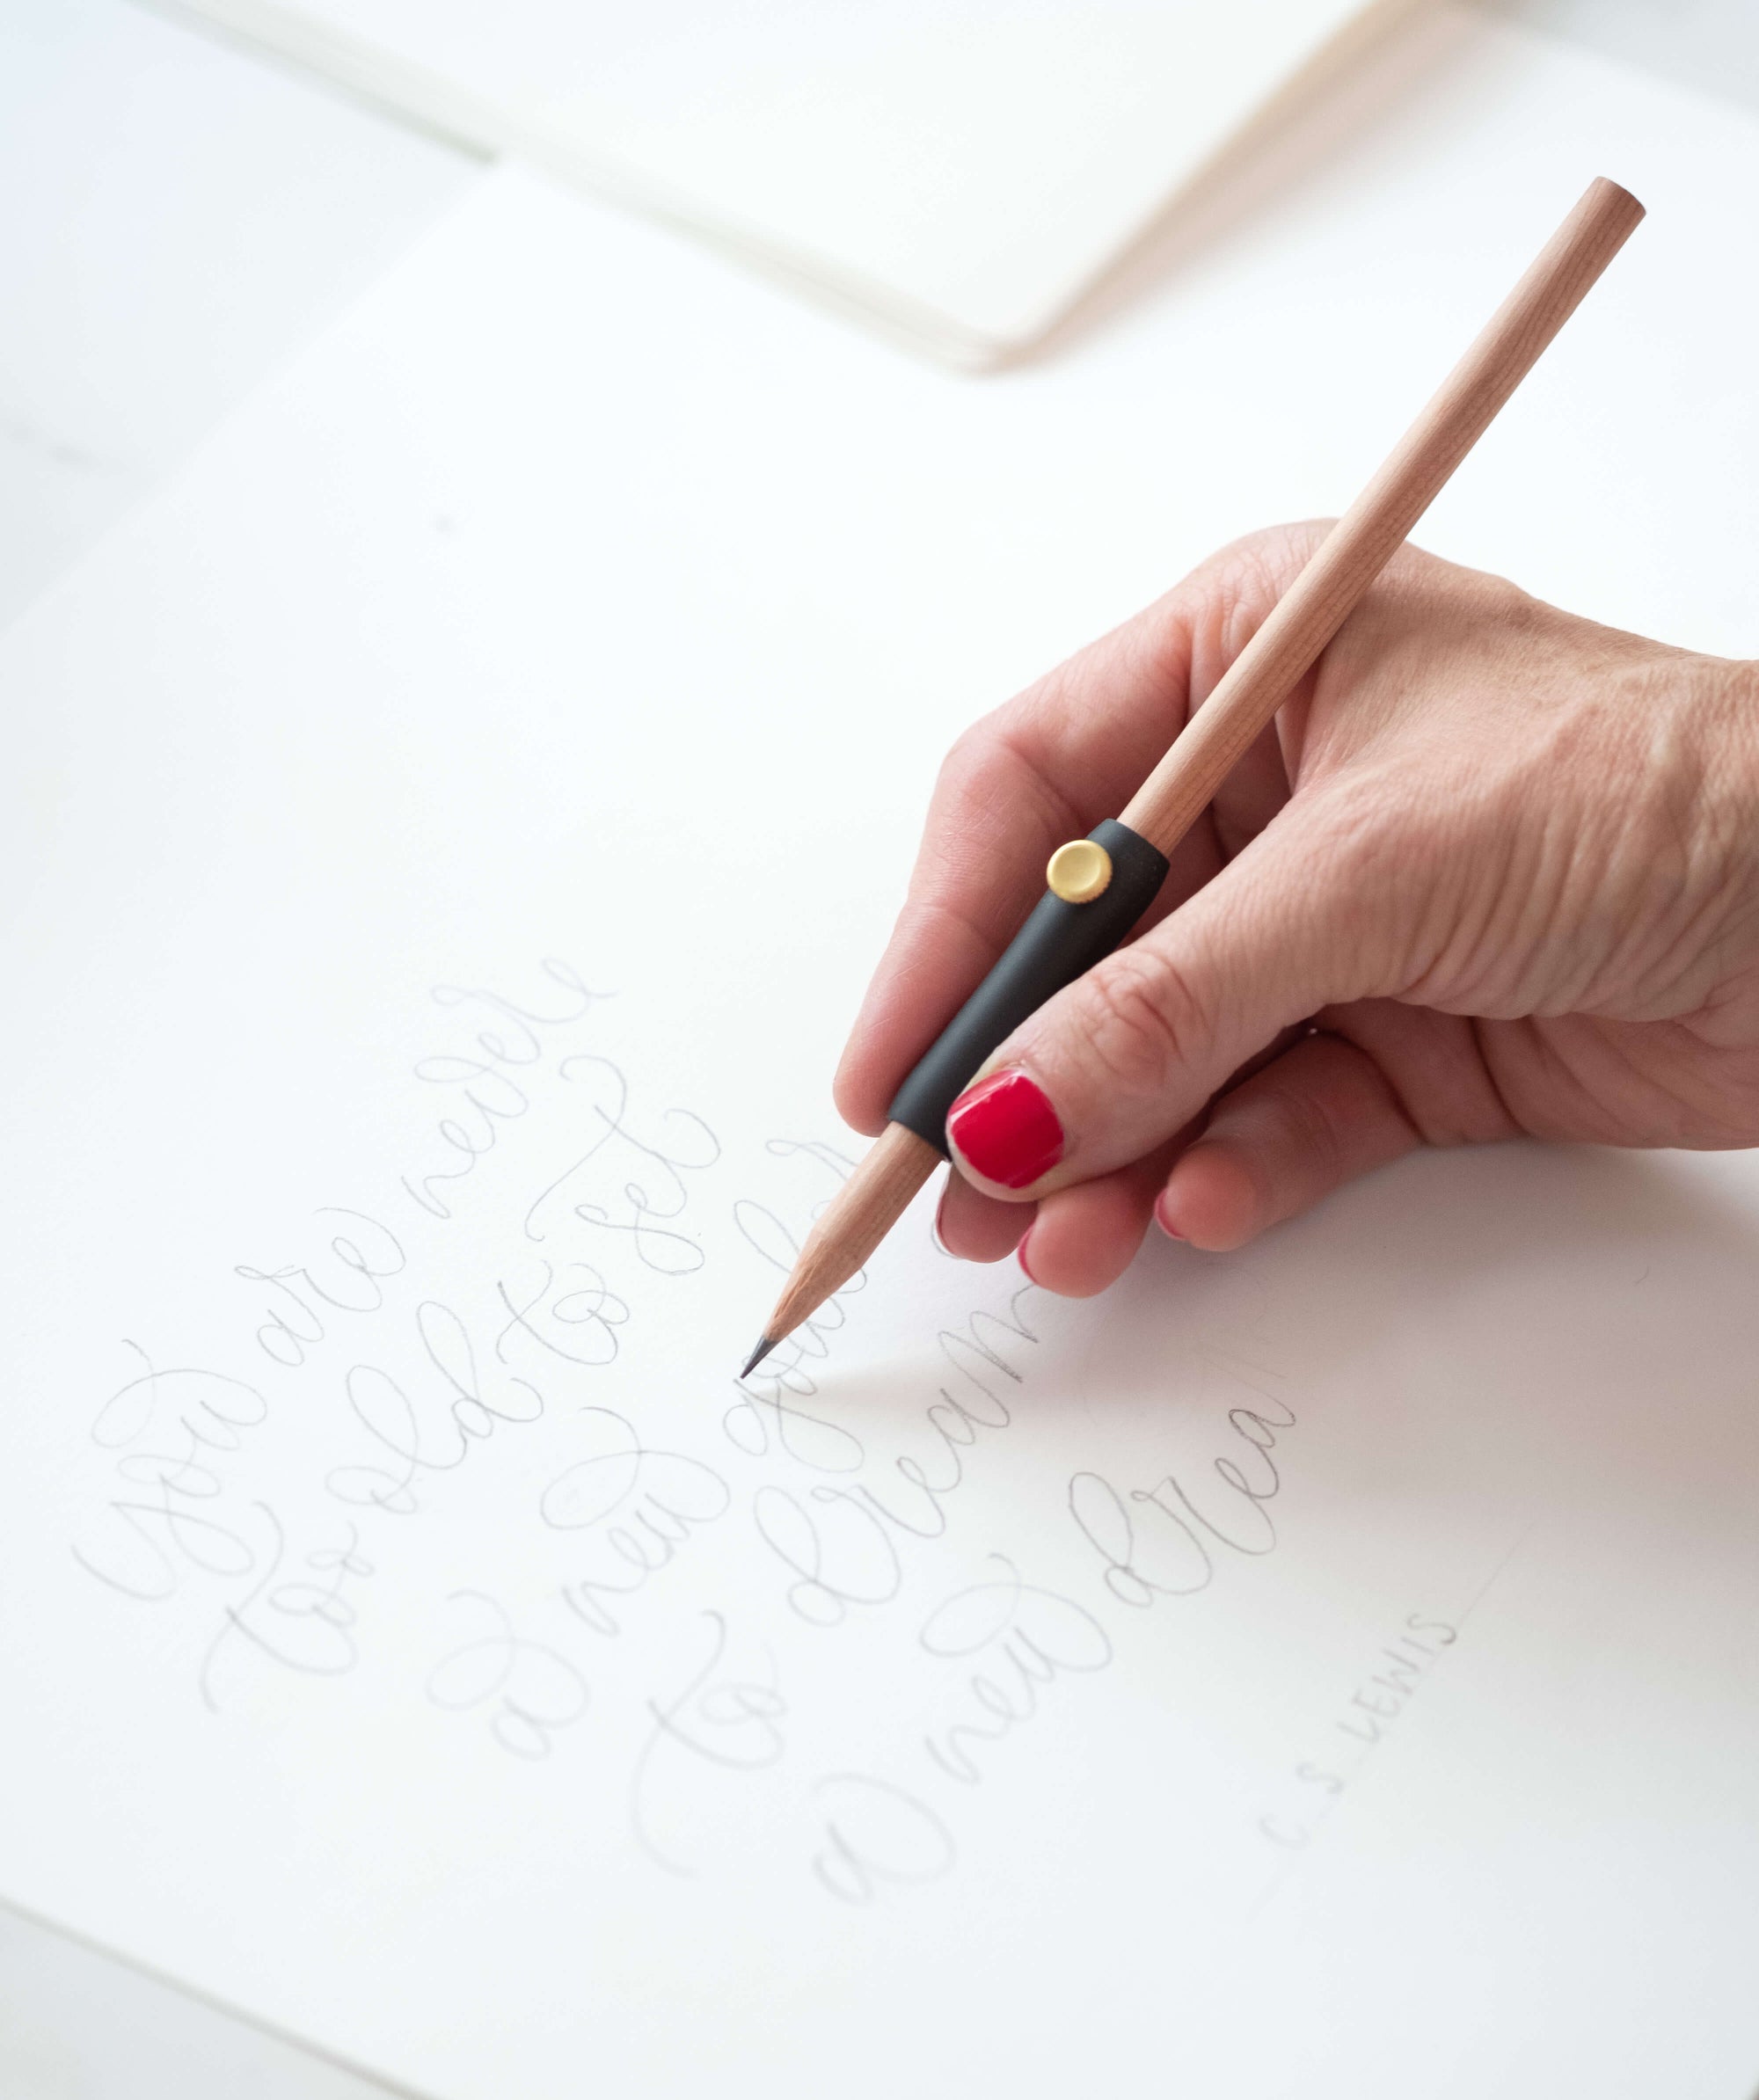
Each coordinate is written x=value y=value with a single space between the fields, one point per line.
x=1493 y=873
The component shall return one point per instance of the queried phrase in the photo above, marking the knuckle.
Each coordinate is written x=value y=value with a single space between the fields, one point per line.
x=1316 y=1133
x=1358 y=829
x=1260 y=564
x=1227 y=598
x=1140 y=1022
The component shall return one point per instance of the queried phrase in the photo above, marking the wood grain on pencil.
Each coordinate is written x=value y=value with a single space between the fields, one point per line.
x=864 y=1209
x=1362 y=542
x=1316 y=605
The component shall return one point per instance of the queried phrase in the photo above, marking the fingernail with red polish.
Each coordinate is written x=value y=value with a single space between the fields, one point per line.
x=1163 y=1218
x=1006 y=1128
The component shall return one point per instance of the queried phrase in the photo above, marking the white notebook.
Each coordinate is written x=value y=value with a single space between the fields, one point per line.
x=441 y=843
x=960 y=170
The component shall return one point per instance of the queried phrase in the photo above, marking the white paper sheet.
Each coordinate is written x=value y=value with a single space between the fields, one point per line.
x=444 y=840
x=959 y=169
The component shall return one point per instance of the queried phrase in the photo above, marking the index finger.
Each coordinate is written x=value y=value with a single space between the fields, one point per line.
x=1043 y=768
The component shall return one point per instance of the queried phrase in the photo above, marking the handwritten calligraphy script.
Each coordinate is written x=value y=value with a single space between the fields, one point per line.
x=470 y=1399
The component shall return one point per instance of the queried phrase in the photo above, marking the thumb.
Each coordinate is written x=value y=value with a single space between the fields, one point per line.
x=1115 y=1064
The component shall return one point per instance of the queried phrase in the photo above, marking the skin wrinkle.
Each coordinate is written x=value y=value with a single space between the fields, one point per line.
x=1167 y=666
x=1729 y=1018
x=1357 y=858
x=1058 y=813
x=997 y=790
x=1650 y=915
x=1156 y=664
x=1540 y=902
x=1314 y=1123
x=1130 y=1022
x=1511 y=857
x=1710 y=832
x=1730 y=1015
x=1672 y=967
x=1261 y=793
x=1521 y=903
x=1678 y=1111
x=1284 y=1146
x=983 y=947
x=1481 y=1116
x=1498 y=1055
x=1375 y=1078
x=1559 y=885
x=1441 y=931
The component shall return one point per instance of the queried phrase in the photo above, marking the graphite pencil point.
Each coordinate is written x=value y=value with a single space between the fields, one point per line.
x=764 y=1346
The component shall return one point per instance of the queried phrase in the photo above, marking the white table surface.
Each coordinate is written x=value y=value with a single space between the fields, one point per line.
x=178 y=217
x=180 y=214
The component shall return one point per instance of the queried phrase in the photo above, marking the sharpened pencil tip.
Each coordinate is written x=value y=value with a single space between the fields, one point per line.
x=764 y=1346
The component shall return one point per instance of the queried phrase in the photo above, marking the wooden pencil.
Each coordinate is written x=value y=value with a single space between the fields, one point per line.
x=1266 y=672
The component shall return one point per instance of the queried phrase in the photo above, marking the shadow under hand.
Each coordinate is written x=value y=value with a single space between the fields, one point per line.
x=1566 y=1328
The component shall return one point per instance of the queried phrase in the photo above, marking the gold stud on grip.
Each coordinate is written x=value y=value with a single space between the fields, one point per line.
x=1079 y=871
